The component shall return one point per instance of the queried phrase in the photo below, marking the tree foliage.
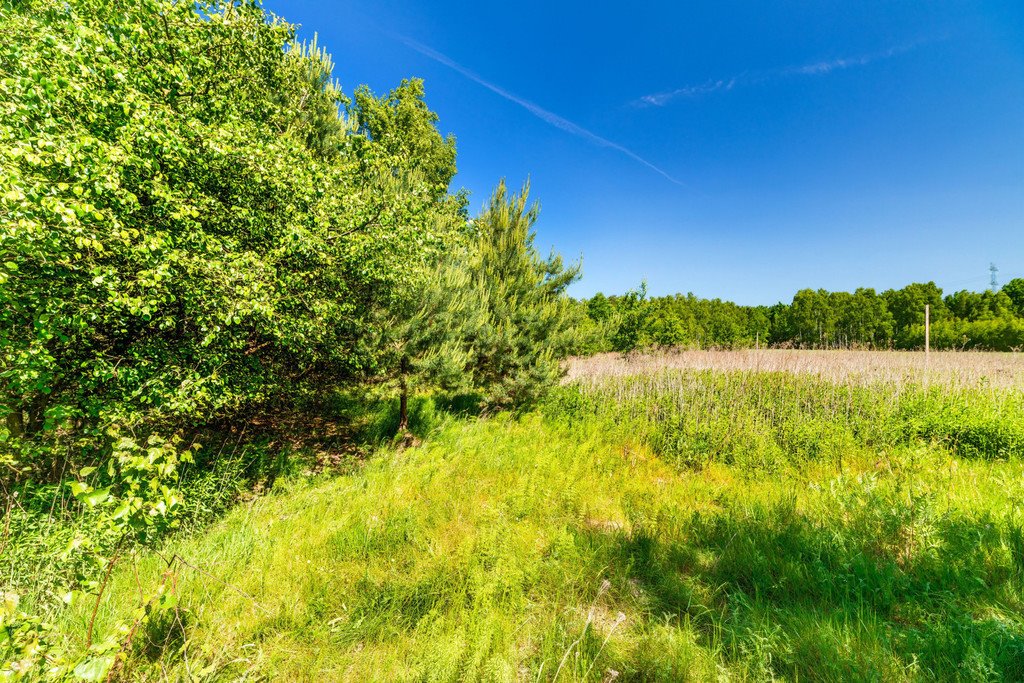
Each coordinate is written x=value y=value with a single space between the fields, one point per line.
x=814 y=319
x=432 y=330
x=1015 y=290
x=529 y=320
x=197 y=222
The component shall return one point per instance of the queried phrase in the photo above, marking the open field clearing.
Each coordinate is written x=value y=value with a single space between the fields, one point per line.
x=1002 y=370
x=686 y=525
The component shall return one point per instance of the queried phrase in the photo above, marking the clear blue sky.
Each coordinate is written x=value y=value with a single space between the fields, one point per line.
x=730 y=149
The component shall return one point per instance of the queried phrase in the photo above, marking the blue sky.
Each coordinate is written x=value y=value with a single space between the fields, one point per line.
x=732 y=149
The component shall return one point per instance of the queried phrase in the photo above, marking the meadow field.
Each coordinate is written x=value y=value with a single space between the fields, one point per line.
x=700 y=516
x=1002 y=370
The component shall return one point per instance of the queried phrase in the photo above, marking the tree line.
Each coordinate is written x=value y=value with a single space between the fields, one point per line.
x=815 y=319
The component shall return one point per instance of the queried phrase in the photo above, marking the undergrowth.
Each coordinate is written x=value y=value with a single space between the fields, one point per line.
x=867 y=534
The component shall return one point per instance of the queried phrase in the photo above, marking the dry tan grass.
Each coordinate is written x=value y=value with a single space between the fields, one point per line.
x=997 y=370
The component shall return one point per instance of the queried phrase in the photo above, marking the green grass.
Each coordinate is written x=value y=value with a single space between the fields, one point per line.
x=582 y=541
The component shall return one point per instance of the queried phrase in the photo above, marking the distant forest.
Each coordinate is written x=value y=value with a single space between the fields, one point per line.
x=816 y=319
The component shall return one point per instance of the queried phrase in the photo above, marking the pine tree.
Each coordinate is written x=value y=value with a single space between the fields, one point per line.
x=529 y=319
x=432 y=330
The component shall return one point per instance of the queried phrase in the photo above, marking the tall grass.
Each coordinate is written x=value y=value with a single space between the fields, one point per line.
x=762 y=421
x=954 y=368
x=835 y=532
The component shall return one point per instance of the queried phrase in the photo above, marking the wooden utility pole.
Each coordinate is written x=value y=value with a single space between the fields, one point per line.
x=927 y=330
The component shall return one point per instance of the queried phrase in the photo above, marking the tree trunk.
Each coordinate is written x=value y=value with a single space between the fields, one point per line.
x=37 y=413
x=403 y=406
x=403 y=398
x=16 y=422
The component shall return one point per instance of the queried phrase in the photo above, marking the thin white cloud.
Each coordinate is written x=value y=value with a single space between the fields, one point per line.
x=660 y=99
x=538 y=111
x=829 y=66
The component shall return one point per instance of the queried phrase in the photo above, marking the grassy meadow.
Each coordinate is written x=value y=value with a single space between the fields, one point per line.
x=673 y=524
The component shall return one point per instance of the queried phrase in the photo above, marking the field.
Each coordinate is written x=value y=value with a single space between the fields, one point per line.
x=1001 y=370
x=675 y=524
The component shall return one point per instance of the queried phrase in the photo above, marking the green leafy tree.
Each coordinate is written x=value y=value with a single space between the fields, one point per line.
x=864 y=320
x=592 y=335
x=197 y=222
x=403 y=126
x=907 y=308
x=197 y=225
x=632 y=310
x=758 y=325
x=599 y=309
x=810 y=318
x=818 y=319
x=1015 y=290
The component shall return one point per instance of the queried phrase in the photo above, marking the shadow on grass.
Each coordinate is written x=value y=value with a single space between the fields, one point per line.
x=376 y=422
x=779 y=595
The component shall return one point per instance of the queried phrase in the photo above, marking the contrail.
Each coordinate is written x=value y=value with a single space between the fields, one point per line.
x=538 y=111
x=663 y=98
x=813 y=69
x=846 y=62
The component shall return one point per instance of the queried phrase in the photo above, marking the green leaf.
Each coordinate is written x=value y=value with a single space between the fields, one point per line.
x=96 y=497
x=95 y=669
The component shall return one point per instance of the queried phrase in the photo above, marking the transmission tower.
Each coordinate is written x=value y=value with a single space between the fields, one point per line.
x=992 y=271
